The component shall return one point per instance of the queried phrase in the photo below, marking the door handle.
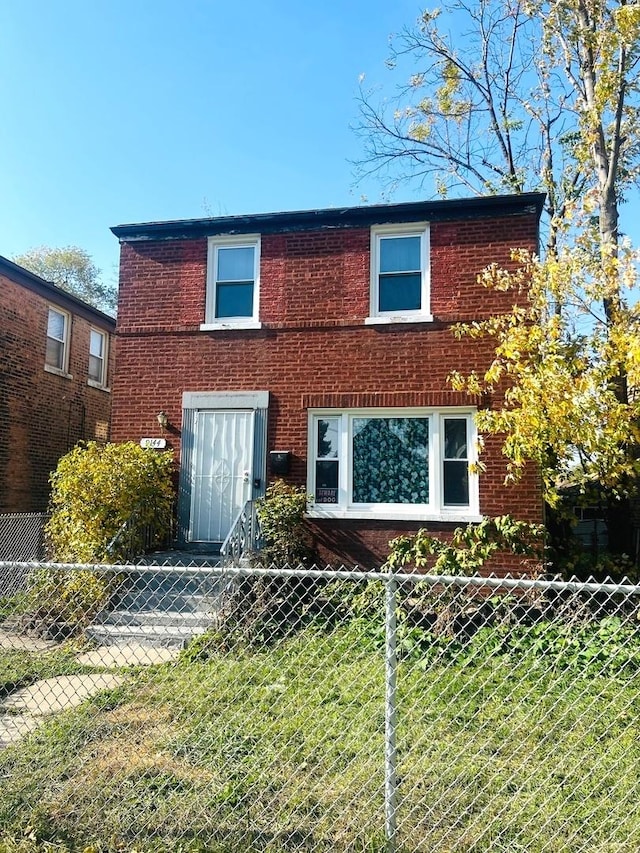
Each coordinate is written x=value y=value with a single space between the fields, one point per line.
x=245 y=477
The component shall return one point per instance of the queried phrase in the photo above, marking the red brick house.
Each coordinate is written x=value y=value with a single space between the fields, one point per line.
x=317 y=344
x=56 y=357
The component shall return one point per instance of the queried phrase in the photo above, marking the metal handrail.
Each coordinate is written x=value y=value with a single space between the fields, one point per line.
x=244 y=536
x=124 y=527
x=143 y=541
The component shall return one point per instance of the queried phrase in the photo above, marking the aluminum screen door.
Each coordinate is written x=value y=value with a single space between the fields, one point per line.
x=222 y=477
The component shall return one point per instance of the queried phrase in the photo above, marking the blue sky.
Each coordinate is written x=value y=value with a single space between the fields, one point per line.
x=119 y=111
x=133 y=111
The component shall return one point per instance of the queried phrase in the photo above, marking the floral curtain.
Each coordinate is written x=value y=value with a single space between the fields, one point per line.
x=390 y=460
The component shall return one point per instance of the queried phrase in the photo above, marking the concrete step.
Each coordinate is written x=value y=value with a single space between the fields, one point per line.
x=166 y=582
x=162 y=608
x=156 y=636
x=178 y=618
x=179 y=603
x=205 y=559
x=164 y=585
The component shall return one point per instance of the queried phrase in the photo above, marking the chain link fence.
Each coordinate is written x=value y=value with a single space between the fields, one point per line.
x=193 y=708
x=22 y=536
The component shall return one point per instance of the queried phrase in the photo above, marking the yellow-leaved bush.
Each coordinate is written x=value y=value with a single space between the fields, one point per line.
x=104 y=500
x=96 y=490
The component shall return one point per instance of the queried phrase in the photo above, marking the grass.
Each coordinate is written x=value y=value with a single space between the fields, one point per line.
x=282 y=748
x=20 y=668
x=12 y=604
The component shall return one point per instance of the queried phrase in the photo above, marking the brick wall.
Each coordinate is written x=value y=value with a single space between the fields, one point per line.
x=313 y=349
x=42 y=415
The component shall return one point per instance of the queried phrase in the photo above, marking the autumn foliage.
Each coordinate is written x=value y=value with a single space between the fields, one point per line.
x=96 y=489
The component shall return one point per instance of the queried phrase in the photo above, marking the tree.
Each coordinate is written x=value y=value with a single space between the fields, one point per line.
x=71 y=269
x=530 y=96
x=559 y=400
x=540 y=95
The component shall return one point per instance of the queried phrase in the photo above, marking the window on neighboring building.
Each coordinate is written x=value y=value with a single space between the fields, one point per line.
x=98 y=357
x=233 y=280
x=400 y=273
x=56 y=355
x=413 y=462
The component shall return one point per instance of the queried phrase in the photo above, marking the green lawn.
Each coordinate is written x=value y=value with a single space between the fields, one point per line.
x=281 y=749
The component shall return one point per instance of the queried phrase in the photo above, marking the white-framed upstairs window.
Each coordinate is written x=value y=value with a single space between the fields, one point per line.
x=56 y=358
x=393 y=463
x=233 y=282
x=400 y=274
x=98 y=348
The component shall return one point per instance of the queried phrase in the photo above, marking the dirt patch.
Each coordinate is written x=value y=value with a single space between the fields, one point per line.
x=15 y=641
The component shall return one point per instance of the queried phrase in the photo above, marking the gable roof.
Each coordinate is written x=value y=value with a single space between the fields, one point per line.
x=334 y=217
x=53 y=293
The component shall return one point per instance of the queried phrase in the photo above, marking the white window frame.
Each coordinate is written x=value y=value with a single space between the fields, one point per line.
x=421 y=315
x=435 y=510
x=226 y=241
x=63 y=370
x=102 y=382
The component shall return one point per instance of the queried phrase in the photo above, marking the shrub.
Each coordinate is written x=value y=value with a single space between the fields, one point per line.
x=281 y=516
x=60 y=604
x=260 y=610
x=469 y=548
x=96 y=490
x=465 y=553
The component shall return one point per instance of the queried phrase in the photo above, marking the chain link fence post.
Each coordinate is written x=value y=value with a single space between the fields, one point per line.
x=390 y=715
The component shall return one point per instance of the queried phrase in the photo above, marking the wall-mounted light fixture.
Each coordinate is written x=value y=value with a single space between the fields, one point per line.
x=162 y=419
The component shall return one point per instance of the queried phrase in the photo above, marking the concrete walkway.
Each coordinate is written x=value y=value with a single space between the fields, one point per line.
x=130 y=654
x=52 y=695
x=24 y=709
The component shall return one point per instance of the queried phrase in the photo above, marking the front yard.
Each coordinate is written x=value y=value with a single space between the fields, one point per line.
x=232 y=749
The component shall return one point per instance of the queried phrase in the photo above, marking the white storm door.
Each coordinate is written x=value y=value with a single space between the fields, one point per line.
x=222 y=475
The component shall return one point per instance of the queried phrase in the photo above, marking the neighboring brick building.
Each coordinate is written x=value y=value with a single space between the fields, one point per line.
x=56 y=359
x=325 y=335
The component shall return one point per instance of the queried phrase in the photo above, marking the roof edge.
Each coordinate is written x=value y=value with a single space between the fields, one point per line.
x=334 y=217
x=26 y=278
